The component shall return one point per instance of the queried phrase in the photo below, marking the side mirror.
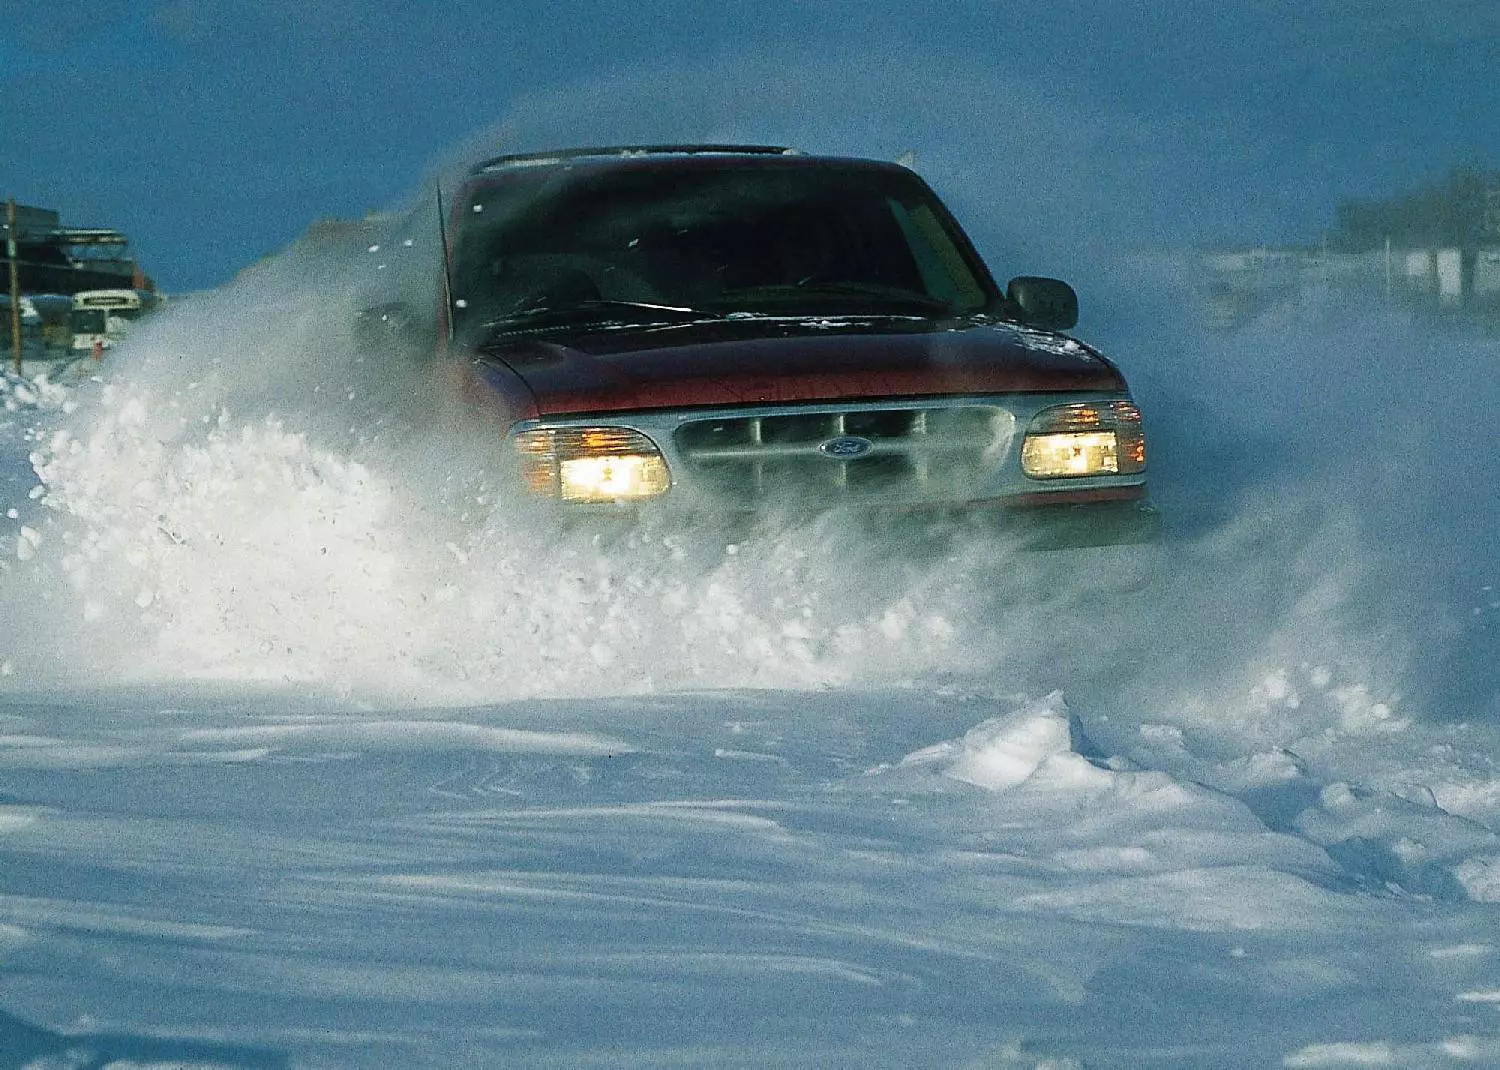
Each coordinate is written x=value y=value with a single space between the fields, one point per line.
x=1049 y=304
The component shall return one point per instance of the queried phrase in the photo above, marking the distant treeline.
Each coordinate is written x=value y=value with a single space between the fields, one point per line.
x=1461 y=210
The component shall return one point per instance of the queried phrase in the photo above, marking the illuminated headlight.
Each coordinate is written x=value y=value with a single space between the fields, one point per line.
x=1084 y=439
x=592 y=464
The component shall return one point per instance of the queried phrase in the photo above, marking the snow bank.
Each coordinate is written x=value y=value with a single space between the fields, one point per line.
x=34 y=393
x=1230 y=822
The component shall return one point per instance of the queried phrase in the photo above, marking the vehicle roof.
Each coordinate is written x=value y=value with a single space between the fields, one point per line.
x=617 y=151
x=673 y=157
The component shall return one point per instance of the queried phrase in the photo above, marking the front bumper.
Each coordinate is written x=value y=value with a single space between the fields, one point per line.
x=1027 y=526
x=1074 y=526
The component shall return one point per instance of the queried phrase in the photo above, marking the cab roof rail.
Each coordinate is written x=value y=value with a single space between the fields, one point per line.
x=522 y=159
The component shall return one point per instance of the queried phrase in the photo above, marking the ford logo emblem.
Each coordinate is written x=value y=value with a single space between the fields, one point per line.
x=846 y=446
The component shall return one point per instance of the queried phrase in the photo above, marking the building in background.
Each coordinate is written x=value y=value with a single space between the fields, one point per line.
x=48 y=265
x=55 y=259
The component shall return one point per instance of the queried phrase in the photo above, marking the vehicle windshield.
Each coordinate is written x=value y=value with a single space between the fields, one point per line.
x=798 y=240
x=89 y=320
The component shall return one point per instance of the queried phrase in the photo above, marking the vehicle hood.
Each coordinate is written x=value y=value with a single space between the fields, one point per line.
x=779 y=362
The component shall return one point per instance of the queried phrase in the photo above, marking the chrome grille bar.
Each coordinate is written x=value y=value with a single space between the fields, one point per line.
x=914 y=451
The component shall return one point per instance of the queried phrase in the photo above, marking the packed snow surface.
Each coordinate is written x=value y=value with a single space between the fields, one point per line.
x=318 y=750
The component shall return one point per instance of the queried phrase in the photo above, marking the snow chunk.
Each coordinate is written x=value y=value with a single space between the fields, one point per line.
x=1480 y=877
x=1003 y=751
x=1259 y=771
x=27 y=543
x=1276 y=690
x=1360 y=712
x=37 y=393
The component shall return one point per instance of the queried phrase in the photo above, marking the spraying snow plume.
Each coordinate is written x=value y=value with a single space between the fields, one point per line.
x=256 y=492
x=252 y=492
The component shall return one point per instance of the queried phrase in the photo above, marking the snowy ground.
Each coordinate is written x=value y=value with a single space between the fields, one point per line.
x=313 y=753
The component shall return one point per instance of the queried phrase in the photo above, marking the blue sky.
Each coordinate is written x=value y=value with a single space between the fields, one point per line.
x=213 y=131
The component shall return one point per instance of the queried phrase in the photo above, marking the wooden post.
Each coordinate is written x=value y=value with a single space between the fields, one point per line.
x=15 y=282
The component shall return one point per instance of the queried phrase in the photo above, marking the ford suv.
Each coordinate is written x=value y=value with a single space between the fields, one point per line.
x=749 y=328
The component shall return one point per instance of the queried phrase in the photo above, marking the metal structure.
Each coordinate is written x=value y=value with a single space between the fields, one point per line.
x=50 y=258
x=15 y=283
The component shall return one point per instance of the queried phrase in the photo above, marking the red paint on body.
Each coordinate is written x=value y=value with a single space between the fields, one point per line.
x=751 y=364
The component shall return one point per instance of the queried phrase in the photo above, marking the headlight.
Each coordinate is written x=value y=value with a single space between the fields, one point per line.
x=1084 y=439
x=592 y=464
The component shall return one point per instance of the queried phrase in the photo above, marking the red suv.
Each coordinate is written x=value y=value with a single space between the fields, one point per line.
x=749 y=328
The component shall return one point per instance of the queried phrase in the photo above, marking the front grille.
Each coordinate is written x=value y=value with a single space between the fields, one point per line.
x=926 y=453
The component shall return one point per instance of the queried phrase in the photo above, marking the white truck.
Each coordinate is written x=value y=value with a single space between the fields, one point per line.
x=103 y=317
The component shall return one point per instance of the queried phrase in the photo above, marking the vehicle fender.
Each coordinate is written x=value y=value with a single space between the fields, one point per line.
x=485 y=388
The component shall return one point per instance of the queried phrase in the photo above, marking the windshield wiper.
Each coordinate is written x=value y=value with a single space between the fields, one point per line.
x=878 y=295
x=597 y=311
